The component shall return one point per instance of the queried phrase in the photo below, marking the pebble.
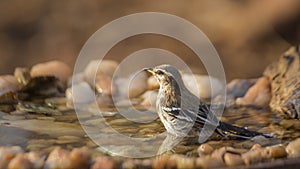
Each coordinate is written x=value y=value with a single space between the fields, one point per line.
x=8 y=83
x=204 y=149
x=77 y=158
x=104 y=85
x=149 y=99
x=138 y=85
x=133 y=86
x=106 y=67
x=208 y=162
x=152 y=83
x=103 y=162
x=259 y=94
x=20 y=162
x=83 y=94
x=203 y=89
x=233 y=159
x=7 y=154
x=293 y=148
x=52 y=68
x=22 y=75
x=75 y=79
x=185 y=162
x=239 y=87
x=276 y=151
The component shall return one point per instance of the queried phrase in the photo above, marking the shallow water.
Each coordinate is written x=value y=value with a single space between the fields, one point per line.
x=42 y=132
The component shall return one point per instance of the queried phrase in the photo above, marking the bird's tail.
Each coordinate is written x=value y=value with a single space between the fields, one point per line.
x=229 y=130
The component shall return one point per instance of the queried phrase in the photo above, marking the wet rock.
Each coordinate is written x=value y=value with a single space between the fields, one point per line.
x=83 y=94
x=233 y=159
x=8 y=83
x=284 y=75
x=59 y=158
x=7 y=154
x=203 y=89
x=53 y=129
x=106 y=67
x=293 y=148
x=258 y=95
x=204 y=149
x=52 y=68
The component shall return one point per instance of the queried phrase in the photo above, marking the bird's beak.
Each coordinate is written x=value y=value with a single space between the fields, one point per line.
x=150 y=70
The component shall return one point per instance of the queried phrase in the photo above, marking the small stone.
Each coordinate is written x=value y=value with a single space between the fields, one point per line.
x=233 y=159
x=149 y=100
x=103 y=162
x=253 y=156
x=8 y=83
x=52 y=68
x=106 y=67
x=185 y=162
x=36 y=159
x=83 y=93
x=152 y=83
x=104 y=85
x=160 y=162
x=208 y=162
x=275 y=152
x=204 y=149
x=293 y=148
x=75 y=79
x=20 y=162
x=204 y=86
x=259 y=94
x=138 y=85
x=7 y=154
x=22 y=75
x=239 y=87
x=134 y=86
x=255 y=147
x=59 y=158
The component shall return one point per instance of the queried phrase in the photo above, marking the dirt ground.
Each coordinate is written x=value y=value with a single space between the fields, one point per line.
x=34 y=31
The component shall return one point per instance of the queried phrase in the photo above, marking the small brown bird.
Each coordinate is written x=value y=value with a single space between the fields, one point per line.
x=182 y=113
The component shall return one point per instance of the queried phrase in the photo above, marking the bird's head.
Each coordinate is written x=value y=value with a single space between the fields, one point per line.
x=165 y=74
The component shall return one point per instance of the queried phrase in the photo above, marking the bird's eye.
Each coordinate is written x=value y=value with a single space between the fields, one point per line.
x=159 y=72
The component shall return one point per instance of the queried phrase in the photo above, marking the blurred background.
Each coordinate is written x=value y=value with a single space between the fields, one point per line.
x=34 y=31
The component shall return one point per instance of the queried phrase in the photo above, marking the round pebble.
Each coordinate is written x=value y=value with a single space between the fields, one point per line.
x=293 y=148
x=259 y=94
x=52 y=68
x=83 y=94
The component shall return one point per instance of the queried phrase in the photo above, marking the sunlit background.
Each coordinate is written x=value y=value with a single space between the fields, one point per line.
x=34 y=31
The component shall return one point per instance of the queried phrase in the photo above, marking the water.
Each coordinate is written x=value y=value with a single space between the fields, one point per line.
x=42 y=132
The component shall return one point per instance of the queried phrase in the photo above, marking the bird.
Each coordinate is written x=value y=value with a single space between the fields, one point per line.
x=182 y=113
